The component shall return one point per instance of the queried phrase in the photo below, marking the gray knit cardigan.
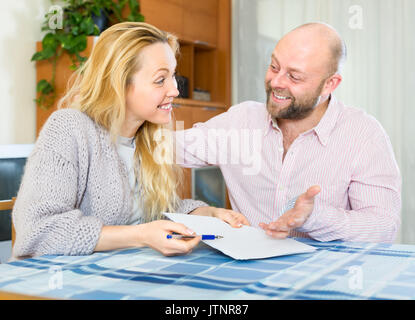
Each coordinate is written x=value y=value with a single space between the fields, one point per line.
x=74 y=183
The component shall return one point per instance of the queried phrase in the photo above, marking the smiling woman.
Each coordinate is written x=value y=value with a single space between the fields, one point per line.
x=93 y=182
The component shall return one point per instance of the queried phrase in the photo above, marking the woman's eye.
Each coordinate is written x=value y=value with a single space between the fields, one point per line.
x=160 y=81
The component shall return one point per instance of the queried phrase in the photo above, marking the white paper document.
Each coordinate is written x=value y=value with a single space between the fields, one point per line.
x=240 y=243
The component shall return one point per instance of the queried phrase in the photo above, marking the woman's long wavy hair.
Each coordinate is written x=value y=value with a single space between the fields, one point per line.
x=99 y=87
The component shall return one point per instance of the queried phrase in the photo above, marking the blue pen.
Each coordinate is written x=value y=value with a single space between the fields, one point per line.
x=204 y=236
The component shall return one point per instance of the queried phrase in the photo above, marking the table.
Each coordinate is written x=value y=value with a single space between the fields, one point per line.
x=336 y=270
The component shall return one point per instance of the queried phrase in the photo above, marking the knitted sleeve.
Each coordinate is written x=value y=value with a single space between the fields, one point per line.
x=45 y=215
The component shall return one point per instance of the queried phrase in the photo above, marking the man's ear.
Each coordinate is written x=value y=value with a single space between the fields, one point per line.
x=331 y=84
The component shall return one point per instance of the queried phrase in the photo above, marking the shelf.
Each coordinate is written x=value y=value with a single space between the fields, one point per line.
x=198 y=103
x=197 y=44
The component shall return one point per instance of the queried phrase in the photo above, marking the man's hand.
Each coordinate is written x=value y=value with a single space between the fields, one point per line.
x=293 y=218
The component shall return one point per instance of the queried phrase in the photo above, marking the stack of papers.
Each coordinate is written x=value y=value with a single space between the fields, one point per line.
x=239 y=243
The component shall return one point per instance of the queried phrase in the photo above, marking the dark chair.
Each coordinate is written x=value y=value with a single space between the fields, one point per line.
x=6 y=206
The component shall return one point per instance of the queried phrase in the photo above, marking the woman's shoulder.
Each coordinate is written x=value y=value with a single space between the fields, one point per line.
x=64 y=118
x=67 y=130
x=68 y=122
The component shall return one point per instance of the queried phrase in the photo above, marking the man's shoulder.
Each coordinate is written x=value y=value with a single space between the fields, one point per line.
x=249 y=112
x=359 y=121
x=249 y=107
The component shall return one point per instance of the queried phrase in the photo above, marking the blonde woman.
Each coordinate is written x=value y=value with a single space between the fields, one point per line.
x=92 y=182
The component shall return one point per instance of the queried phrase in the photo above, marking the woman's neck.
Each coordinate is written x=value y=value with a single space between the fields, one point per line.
x=129 y=128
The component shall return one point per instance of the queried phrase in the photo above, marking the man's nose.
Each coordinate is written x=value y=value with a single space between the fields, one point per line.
x=279 y=80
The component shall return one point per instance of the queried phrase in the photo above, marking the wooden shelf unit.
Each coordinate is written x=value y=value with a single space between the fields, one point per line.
x=204 y=31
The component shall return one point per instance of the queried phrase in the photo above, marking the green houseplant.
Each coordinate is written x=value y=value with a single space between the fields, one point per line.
x=78 y=19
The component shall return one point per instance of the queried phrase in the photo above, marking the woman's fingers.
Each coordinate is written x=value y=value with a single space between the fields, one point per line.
x=179 y=228
x=181 y=246
x=234 y=219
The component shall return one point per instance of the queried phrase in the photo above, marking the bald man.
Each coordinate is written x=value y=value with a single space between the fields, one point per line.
x=303 y=164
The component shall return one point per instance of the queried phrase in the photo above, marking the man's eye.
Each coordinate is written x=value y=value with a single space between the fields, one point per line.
x=275 y=68
x=295 y=78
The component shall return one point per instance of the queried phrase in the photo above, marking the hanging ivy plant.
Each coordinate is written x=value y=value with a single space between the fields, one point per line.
x=79 y=19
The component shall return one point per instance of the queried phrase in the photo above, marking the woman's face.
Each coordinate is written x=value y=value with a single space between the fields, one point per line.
x=152 y=89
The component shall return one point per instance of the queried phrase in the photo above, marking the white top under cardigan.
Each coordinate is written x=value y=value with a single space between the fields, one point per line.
x=74 y=183
x=126 y=149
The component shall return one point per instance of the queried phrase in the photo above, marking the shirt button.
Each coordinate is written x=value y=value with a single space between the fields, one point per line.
x=281 y=188
x=280 y=149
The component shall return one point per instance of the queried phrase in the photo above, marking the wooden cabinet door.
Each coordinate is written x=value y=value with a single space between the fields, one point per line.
x=200 y=20
x=164 y=14
x=202 y=114
x=182 y=117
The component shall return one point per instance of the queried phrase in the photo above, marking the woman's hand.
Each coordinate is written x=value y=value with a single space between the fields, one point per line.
x=235 y=219
x=154 y=235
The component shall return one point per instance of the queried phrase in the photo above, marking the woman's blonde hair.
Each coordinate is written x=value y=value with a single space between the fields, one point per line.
x=99 y=89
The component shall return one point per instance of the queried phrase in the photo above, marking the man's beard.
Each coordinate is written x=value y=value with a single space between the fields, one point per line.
x=298 y=108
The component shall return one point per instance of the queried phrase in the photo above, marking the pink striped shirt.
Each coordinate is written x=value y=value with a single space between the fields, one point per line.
x=348 y=154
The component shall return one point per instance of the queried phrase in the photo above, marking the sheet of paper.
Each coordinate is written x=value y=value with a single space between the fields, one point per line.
x=240 y=243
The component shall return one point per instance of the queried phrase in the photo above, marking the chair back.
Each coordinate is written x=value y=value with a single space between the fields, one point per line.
x=6 y=205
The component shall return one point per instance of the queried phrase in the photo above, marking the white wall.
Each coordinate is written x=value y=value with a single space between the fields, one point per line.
x=20 y=24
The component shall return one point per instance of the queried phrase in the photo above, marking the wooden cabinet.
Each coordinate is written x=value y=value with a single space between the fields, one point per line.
x=200 y=21
x=191 y=20
x=204 y=30
x=169 y=14
x=191 y=114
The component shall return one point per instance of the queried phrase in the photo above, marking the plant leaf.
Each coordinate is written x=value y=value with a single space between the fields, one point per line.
x=44 y=87
x=50 y=42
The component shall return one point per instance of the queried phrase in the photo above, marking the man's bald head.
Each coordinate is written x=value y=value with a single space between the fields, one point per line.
x=324 y=37
x=304 y=71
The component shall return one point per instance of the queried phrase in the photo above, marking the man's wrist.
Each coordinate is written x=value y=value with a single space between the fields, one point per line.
x=308 y=225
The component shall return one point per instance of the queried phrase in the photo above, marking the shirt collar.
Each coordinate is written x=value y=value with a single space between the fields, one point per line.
x=323 y=129
x=128 y=142
x=327 y=123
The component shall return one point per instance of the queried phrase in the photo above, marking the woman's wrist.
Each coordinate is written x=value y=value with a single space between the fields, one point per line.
x=119 y=237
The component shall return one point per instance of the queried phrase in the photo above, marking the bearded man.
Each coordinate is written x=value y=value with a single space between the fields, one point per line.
x=323 y=170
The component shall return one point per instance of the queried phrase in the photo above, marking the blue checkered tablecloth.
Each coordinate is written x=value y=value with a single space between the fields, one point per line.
x=336 y=270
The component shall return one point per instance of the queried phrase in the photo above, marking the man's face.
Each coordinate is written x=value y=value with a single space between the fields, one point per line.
x=295 y=80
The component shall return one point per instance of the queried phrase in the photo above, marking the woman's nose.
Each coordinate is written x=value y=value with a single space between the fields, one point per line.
x=173 y=91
